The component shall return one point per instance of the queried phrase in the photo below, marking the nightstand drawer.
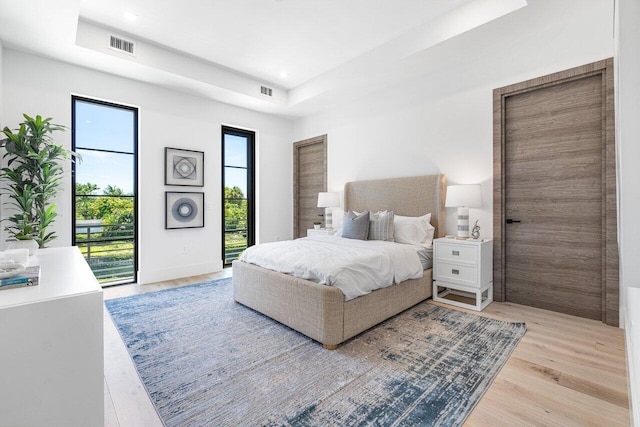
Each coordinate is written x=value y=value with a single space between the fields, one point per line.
x=459 y=273
x=456 y=253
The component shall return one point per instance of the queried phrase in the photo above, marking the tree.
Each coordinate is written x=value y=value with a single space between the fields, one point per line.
x=235 y=195
x=112 y=190
x=86 y=189
x=84 y=206
x=110 y=210
x=235 y=208
x=115 y=210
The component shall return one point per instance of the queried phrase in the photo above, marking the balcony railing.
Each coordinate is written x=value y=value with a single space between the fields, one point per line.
x=109 y=250
x=235 y=239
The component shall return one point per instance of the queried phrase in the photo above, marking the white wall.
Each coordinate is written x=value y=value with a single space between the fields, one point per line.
x=166 y=118
x=627 y=63
x=1 y=80
x=1 y=122
x=441 y=122
x=628 y=137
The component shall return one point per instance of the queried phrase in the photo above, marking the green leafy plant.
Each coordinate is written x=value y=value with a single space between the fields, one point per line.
x=32 y=177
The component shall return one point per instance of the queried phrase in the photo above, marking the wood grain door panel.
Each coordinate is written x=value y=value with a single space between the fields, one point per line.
x=553 y=185
x=310 y=178
x=554 y=170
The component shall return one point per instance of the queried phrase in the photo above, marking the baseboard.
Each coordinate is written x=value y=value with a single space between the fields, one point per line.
x=632 y=332
x=160 y=275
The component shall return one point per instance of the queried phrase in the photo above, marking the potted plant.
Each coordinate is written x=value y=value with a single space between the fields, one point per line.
x=317 y=224
x=32 y=178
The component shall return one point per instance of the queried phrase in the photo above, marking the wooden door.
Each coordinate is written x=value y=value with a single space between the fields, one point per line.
x=309 y=179
x=554 y=200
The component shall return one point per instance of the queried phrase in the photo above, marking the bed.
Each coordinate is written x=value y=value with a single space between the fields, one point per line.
x=320 y=311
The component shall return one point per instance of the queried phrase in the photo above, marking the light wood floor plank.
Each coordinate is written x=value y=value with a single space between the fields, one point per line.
x=583 y=357
x=566 y=371
x=571 y=407
x=582 y=385
x=110 y=416
x=514 y=400
x=555 y=360
x=129 y=397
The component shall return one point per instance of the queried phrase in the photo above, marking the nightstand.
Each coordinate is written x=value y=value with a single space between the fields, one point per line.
x=320 y=232
x=463 y=268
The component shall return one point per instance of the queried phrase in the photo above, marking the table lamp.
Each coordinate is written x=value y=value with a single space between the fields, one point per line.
x=464 y=197
x=328 y=201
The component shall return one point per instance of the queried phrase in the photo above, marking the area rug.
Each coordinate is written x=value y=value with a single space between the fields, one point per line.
x=208 y=361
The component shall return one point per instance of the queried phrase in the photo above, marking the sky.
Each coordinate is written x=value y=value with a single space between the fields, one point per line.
x=235 y=154
x=108 y=128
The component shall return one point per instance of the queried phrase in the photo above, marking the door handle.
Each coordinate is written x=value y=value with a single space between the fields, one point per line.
x=511 y=221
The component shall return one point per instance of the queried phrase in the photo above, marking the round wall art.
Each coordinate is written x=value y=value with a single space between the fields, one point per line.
x=184 y=210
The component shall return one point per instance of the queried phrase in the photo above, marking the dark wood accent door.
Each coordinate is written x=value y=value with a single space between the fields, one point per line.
x=309 y=179
x=554 y=206
x=553 y=162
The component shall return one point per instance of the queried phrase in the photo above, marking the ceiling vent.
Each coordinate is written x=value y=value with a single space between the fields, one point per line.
x=266 y=91
x=122 y=45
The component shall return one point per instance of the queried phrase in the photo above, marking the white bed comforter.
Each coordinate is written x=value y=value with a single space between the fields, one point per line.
x=356 y=267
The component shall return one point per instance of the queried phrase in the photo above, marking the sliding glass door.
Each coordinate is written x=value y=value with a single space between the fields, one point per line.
x=105 y=135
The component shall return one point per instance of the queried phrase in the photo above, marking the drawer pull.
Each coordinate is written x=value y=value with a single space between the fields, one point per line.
x=455 y=271
x=456 y=253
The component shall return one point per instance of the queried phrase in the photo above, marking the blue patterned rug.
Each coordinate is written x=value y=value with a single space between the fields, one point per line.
x=207 y=361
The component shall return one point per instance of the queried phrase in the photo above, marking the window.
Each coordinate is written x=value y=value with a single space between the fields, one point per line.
x=105 y=135
x=238 y=201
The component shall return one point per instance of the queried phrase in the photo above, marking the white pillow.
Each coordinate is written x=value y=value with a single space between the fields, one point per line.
x=415 y=230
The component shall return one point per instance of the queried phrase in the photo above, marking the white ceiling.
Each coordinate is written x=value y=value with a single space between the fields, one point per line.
x=264 y=38
x=312 y=52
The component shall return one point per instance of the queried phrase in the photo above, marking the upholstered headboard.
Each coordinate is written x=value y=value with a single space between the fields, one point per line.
x=412 y=196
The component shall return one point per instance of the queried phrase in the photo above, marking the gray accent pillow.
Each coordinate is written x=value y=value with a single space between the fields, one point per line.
x=355 y=226
x=381 y=226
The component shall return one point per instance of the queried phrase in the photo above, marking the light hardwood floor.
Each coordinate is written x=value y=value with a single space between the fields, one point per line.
x=566 y=371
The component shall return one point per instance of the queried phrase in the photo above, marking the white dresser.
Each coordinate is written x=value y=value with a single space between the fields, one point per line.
x=463 y=268
x=51 y=346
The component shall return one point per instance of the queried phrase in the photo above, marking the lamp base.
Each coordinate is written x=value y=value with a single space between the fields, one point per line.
x=463 y=223
x=328 y=215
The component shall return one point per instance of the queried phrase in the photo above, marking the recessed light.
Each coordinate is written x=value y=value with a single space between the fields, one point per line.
x=130 y=16
x=284 y=74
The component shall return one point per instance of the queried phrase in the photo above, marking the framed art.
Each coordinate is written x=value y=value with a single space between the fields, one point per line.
x=183 y=210
x=183 y=167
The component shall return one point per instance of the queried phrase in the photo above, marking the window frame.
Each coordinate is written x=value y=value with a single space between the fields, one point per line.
x=135 y=112
x=251 y=148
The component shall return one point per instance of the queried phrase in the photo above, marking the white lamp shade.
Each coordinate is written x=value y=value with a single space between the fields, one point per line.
x=469 y=196
x=328 y=200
